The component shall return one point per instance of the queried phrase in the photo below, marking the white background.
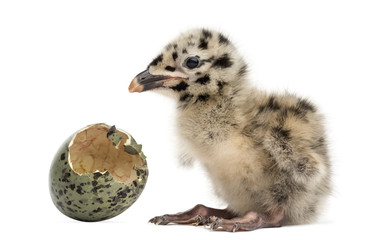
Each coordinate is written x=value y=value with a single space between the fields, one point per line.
x=67 y=64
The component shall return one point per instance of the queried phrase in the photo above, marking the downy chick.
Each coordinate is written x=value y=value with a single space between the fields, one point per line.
x=265 y=154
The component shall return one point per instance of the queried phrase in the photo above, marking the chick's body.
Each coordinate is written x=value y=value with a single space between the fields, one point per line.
x=273 y=156
x=265 y=153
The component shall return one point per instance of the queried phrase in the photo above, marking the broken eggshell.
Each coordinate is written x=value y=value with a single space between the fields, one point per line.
x=97 y=173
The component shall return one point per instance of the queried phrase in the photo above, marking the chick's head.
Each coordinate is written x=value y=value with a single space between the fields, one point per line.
x=198 y=62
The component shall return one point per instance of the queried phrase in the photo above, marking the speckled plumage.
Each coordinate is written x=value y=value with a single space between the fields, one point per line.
x=264 y=153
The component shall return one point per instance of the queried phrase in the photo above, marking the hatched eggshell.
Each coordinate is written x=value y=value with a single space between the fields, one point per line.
x=79 y=185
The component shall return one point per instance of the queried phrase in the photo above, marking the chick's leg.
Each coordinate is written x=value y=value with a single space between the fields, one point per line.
x=250 y=221
x=198 y=215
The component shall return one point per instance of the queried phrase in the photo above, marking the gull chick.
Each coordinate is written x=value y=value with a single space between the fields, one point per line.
x=266 y=154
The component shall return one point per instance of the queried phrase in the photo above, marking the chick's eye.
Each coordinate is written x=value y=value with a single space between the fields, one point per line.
x=192 y=62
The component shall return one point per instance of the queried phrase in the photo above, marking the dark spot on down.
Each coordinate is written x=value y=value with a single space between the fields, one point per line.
x=203 y=61
x=206 y=33
x=180 y=87
x=220 y=85
x=223 y=62
x=223 y=39
x=273 y=104
x=203 y=97
x=302 y=108
x=62 y=157
x=184 y=51
x=211 y=135
x=320 y=146
x=249 y=130
x=203 y=44
x=168 y=47
x=170 y=69
x=303 y=104
x=185 y=97
x=280 y=133
x=301 y=167
x=175 y=56
x=282 y=116
x=305 y=166
x=155 y=61
x=243 y=70
x=279 y=193
x=203 y=80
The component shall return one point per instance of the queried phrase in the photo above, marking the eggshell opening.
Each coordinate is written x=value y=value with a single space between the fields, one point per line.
x=91 y=151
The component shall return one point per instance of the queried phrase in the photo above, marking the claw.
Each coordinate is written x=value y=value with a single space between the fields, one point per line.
x=214 y=225
x=236 y=226
x=153 y=220
x=160 y=220
x=198 y=220
x=224 y=221
x=208 y=221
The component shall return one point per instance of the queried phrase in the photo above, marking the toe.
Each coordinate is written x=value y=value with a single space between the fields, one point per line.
x=159 y=220
x=215 y=224
x=199 y=220
x=211 y=219
x=236 y=227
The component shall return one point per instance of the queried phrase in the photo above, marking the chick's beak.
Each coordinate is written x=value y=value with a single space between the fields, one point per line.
x=146 y=81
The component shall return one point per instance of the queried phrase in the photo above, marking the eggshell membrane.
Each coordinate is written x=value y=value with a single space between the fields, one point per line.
x=91 y=151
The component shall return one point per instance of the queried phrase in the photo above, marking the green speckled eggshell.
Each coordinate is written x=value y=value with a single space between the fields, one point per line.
x=95 y=196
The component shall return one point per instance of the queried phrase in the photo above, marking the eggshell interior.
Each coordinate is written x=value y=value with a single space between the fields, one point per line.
x=92 y=151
